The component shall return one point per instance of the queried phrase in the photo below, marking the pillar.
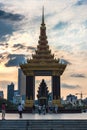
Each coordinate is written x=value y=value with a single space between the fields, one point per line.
x=30 y=92
x=56 y=89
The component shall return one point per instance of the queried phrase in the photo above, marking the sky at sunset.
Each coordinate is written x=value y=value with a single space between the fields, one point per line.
x=66 y=24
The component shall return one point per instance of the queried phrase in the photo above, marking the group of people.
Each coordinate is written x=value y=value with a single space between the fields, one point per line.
x=41 y=109
x=47 y=109
x=20 y=110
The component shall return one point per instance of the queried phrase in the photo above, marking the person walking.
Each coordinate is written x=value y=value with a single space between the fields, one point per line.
x=56 y=108
x=33 y=109
x=44 y=109
x=20 y=110
x=3 y=111
x=39 y=109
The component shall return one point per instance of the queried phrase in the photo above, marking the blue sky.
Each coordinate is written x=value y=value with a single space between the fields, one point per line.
x=66 y=23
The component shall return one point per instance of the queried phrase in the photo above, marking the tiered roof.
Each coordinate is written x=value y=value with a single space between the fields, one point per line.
x=42 y=59
x=43 y=53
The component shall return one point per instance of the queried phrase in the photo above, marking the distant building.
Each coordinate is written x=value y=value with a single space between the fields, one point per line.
x=1 y=94
x=85 y=101
x=71 y=99
x=17 y=99
x=10 y=92
x=16 y=92
x=21 y=84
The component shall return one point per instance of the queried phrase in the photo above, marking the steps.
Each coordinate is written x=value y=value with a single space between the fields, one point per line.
x=43 y=124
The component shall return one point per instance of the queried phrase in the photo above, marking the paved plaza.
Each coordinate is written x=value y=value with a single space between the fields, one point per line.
x=15 y=116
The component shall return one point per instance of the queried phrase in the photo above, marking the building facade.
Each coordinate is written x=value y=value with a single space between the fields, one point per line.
x=10 y=92
x=21 y=84
x=1 y=94
x=71 y=99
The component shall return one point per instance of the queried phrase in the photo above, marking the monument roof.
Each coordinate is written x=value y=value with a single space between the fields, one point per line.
x=43 y=59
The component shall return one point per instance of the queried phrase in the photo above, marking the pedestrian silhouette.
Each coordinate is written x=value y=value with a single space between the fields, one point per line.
x=20 y=110
x=3 y=110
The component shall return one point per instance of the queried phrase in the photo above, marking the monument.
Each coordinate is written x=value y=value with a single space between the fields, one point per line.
x=43 y=94
x=42 y=63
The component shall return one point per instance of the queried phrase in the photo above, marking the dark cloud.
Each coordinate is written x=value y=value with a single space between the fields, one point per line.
x=61 y=25
x=4 y=44
x=21 y=46
x=5 y=29
x=81 y=2
x=1 y=44
x=3 y=56
x=18 y=46
x=78 y=75
x=10 y=16
x=0 y=56
x=70 y=86
x=15 y=60
x=31 y=48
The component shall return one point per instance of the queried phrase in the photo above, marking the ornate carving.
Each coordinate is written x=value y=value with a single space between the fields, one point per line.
x=29 y=103
x=57 y=102
x=43 y=94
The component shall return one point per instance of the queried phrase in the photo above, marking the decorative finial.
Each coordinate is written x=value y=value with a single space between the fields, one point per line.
x=43 y=15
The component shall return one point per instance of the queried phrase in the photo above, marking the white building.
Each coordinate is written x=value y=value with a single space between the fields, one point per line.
x=17 y=99
x=16 y=92
x=71 y=99
x=21 y=84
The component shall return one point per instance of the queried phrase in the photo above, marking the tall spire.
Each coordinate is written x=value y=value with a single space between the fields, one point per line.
x=43 y=15
x=43 y=51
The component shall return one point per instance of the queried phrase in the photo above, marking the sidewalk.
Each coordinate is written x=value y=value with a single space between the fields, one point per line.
x=15 y=116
